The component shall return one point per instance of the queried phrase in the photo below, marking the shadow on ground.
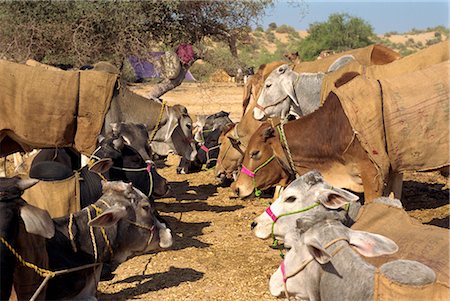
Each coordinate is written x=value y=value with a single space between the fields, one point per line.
x=153 y=282
x=417 y=195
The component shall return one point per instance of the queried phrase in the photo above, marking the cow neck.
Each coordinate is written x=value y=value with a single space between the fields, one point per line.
x=320 y=136
x=81 y=234
x=142 y=105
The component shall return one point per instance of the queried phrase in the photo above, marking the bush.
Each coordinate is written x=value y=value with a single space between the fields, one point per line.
x=202 y=71
x=285 y=29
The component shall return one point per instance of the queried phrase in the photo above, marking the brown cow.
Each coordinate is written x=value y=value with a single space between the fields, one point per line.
x=322 y=140
x=234 y=141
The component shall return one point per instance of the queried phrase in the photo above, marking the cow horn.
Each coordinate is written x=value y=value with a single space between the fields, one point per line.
x=24 y=184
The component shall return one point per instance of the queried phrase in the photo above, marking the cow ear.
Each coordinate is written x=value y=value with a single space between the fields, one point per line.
x=316 y=249
x=110 y=217
x=268 y=133
x=334 y=198
x=24 y=184
x=37 y=221
x=370 y=244
x=115 y=127
x=102 y=165
x=172 y=124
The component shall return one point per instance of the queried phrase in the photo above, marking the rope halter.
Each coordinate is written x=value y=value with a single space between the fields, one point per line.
x=251 y=174
x=305 y=263
x=275 y=218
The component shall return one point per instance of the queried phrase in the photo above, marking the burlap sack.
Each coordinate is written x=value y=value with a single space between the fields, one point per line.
x=34 y=63
x=434 y=54
x=401 y=121
x=370 y=55
x=59 y=198
x=387 y=290
x=424 y=243
x=42 y=108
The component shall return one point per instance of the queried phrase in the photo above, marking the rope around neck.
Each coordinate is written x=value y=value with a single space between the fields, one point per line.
x=252 y=174
x=285 y=145
x=152 y=135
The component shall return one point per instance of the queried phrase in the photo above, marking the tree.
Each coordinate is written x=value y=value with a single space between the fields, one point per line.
x=341 y=32
x=83 y=32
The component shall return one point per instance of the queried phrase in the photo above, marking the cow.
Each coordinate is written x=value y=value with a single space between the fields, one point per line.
x=324 y=264
x=120 y=225
x=113 y=160
x=334 y=143
x=20 y=222
x=286 y=92
x=233 y=142
x=309 y=195
x=207 y=139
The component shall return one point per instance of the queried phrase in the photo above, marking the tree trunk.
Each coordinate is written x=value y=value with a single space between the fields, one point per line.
x=169 y=84
x=232 y=44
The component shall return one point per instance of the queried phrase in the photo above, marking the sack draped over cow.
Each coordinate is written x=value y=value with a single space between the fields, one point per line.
x=59 y=198
x=434 y=54
x=43 y=108
x=424 y=243
x=370 y=55
x=402 y=122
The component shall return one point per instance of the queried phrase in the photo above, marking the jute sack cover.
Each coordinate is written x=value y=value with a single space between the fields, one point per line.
x=401 y=121
x=34 y=63
x=386 y=289
x=434 y=54
x=370 y=55
x=424 y=243
x=41 y=108
x=59 y=198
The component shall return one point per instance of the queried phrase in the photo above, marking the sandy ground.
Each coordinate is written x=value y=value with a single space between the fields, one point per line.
x=215 y=255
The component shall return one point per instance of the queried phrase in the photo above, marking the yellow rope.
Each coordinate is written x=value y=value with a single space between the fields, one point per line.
x=40 y=271
x=102 y=230
x=72 y=241
x=91 y=231
x=152 y=135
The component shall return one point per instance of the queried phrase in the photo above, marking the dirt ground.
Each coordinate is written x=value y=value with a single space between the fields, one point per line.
x=215 y=256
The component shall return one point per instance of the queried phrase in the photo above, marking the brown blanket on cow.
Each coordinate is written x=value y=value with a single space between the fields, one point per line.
x=424 y=243
x=59 y=198
x=370 y=55
x=402 y=122
x=46 y=108
x=434 y=54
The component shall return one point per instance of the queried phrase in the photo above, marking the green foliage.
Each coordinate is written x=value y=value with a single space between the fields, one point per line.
x=80 y=32
x=272 y=26
x=202 y=71
x=285 y=29
x=341 y=32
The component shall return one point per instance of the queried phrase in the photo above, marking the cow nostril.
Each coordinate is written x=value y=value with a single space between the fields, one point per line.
x=253 y=225
x=236 y=191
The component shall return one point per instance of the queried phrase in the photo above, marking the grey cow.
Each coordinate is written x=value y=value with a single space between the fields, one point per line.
x=323 y=264
x=288 y=92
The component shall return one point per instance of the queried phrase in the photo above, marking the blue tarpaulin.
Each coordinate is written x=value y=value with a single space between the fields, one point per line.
x=145 y=69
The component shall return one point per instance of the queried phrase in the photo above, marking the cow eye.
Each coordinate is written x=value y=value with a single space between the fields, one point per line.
x=189 y=126
x=268 y=85
x=290 y=199
x=146 y=207
x=254 y=154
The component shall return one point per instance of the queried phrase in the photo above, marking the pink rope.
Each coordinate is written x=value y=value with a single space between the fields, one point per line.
x=204 y=148
x=271 y=214
x=247 y=171
x=283 y=271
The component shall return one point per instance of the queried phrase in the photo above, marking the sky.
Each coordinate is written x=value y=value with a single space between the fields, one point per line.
x=384 y=16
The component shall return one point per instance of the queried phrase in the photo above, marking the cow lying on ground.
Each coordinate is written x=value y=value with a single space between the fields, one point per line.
x=19 y=222
x=207 y=141
x=309 y=197
x=120 y=225
x=323 y=264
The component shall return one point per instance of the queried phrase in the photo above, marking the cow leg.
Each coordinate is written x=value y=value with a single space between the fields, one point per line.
x=372 y=183
x=18 y=163
x=394 y=184
x=84 y=160
x=3 y=167
x=278 y=190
